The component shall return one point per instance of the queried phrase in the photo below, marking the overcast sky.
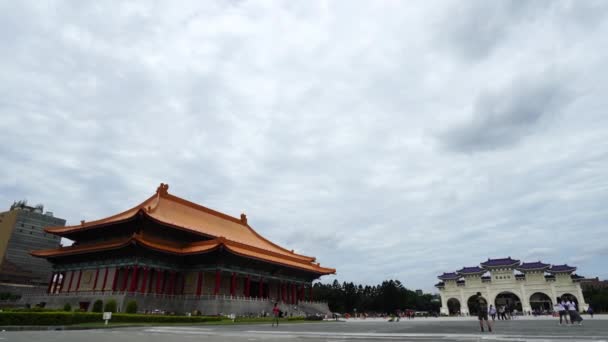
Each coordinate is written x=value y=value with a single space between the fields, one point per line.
x=396 y=139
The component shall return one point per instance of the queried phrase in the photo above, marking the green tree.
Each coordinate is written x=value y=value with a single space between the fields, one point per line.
x=110 y=306
x=97 y=306
x=67 y=307
x=131 y=307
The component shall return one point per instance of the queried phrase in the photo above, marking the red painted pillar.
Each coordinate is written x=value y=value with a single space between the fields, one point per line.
x=183 y=288
x=78 y=281
x=144 y=281
x=134 y=279
x=159 y=278
x=247 y=286
x=283 y=292
x=48 y=290
x=70 y=282
x=115 y=281
x=261 y=288
x=105 y=280
x=172 y=283
x=278 y=291
x=310 y=297
x=199 y=283
x=125 y=279
x=233 y=284
x=95 y=281
x=218 y=282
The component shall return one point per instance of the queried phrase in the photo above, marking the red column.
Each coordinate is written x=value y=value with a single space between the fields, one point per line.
x=310 y=297
x=233 y=284
x=261 y=288
x=247 y=286
x=105 y=280
x=125 y=279
x=183 y=283
x=283 y=294
x=218 y=282
x=294 y=296
x=199 y=283
x=115 y=281
x=172 y=283
x=278 y=291
x=70 y=282
x=134 y=279
x=95 y=281
x=144 y=280
x=159 y=278
x=48 y=290
x=78 y=281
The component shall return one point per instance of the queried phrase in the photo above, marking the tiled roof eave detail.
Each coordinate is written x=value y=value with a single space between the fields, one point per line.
x=192 y=249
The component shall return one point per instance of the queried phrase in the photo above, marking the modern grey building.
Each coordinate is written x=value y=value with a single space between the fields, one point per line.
x=21 y=231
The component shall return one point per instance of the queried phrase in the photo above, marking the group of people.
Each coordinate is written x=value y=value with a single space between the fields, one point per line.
x=503 y=312
x=567 y=309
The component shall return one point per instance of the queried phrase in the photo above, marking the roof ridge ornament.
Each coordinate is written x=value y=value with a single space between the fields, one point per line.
x=163 y=189
x=244 y=218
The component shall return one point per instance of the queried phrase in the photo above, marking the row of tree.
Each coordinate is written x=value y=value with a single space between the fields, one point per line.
x=387 y=297
x=391 y=296
x=597 y=299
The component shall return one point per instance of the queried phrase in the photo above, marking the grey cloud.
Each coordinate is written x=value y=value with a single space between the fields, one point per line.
x=503 y=117
x=313 y=120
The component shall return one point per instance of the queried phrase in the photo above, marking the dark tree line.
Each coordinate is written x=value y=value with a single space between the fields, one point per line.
x=597 y=298
x=387 y=297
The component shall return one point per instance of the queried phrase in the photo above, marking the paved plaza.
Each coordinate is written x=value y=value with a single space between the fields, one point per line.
x=447 y=330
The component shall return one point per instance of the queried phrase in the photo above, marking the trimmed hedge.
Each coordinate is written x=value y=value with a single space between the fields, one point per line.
x=68 y=318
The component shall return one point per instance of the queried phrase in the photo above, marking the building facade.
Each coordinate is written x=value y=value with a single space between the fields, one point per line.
x=21 y=230
x=170 y=254
x=525 y=287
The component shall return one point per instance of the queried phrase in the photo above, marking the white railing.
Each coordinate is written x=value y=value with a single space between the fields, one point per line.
x=169 y=296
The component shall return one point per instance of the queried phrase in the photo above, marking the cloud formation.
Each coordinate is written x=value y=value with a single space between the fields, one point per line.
x=388 y=140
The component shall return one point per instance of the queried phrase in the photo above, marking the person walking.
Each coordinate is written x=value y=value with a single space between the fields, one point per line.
x=559 y=309
x=482 y=313
x=565 y=311
x=590 y=311
x=492 y=312
x=574 y=315
x=276 y=313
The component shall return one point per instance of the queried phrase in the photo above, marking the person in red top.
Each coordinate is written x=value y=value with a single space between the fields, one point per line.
x=276 y=313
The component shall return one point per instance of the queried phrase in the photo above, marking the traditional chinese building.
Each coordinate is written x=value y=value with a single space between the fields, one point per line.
x=170 y=254
x=508 y=282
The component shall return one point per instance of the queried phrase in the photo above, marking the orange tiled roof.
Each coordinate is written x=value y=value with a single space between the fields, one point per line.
x=188 y=249
x=182 y=214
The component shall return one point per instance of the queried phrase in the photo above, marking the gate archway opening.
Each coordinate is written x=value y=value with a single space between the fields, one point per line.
x=474 y=305
x=509 y=300
x=453 y=306
x=540 y=302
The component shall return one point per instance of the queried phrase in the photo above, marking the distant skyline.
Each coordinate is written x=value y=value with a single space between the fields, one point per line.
x=391 y=140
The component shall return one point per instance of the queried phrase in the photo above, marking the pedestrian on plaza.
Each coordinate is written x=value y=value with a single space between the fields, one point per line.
x=501 y=313
x=559 y=309
x=574 y=315
x=590 y=311
x=276 y=312
x=482 y=313
x=492 y=312
x=564 y=311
